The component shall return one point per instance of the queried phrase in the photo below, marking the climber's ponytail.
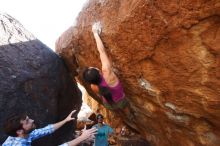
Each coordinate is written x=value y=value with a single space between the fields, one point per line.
x=105 y=92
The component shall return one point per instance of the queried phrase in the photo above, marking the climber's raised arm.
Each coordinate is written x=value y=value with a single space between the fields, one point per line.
x=107 y=69
x=106 y=63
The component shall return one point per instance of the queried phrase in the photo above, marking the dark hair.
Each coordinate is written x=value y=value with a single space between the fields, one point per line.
x=99 y=116
x=92 y=76
x=12 y=123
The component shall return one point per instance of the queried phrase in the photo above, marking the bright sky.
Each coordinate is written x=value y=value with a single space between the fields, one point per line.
x=46 y=19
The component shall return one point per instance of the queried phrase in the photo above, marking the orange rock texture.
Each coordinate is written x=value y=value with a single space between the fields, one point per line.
x=167 y=55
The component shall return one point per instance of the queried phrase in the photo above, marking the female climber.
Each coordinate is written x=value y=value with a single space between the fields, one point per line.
x=105 y=82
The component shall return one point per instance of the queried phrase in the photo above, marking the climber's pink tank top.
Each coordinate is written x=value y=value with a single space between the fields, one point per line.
x=116 y=91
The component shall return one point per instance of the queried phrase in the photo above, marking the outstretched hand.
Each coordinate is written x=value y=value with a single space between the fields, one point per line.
x=88 y=134
x=69 y=117
x=96 y=28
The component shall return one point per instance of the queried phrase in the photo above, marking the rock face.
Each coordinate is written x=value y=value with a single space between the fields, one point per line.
x=166 y=54
x=34 y=79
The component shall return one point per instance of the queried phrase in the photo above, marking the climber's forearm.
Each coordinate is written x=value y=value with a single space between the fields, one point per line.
x=106 y=63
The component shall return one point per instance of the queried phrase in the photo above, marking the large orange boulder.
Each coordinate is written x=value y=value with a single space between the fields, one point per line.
x=167 y=55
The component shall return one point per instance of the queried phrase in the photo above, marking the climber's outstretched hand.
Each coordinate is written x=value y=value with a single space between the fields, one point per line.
x=96 y=28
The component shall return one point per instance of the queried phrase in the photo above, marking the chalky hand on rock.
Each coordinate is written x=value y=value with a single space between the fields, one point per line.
x=97 y=28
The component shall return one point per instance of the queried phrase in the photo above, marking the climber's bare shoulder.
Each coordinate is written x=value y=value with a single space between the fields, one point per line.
x=110 y=77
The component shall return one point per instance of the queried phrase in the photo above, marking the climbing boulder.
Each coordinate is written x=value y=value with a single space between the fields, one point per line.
x=167 y=56
x=34 y=80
